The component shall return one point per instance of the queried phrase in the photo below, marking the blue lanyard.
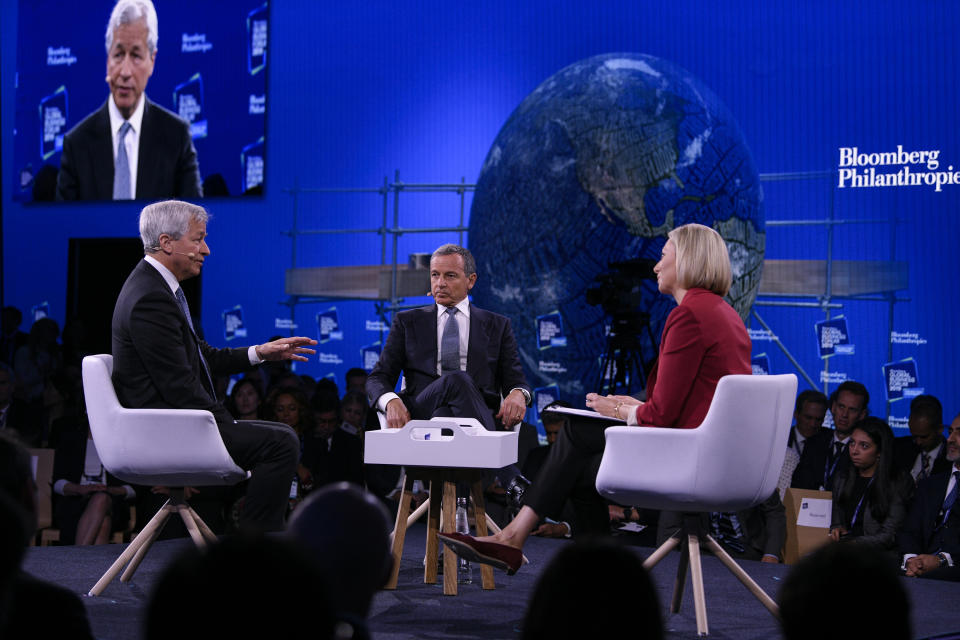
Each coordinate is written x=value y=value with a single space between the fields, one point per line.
x=828 y=471
x=856 y=512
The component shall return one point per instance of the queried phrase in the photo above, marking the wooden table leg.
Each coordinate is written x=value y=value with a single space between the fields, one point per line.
x=400 y=530
x=433 y=525
x=450 y=560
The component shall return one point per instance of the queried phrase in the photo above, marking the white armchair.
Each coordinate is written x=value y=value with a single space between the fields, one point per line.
x=730 y=462
x=171 y=447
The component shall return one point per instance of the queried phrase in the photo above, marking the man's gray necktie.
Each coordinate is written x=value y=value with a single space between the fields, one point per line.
x=182 y=301
x=924 y=466
x=121 y=169
x=450 y=343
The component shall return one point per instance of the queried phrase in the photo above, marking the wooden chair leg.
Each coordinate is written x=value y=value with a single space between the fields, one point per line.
x=433 y=526
x=191 y=526
x=449 y=524
x=400 y=530
x=661 y=552
x=742 y=576
x=144 y=547
x=696 y=577
x=143 y=540
x=417 y=513
x=207 y=532
x=681 y=580
x=480 y=518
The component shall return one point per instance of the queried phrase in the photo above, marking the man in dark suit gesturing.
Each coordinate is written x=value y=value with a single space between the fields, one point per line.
x=159 y=362
x=130 y=147
x=456 y=359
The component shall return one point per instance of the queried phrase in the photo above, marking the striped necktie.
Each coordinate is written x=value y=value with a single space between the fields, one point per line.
x=182 y=301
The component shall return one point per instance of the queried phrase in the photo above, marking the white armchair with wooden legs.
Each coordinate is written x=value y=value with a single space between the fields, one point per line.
x=730 y=462
x=171 y=447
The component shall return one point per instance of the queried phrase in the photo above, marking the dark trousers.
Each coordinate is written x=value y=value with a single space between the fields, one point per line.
x=570 y=472
x=456 y=395
x=269 y=450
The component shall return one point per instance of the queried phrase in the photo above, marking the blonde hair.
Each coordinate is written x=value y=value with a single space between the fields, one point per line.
x=702 y=259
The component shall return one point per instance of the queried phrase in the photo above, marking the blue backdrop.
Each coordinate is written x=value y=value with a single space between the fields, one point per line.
x=358 y=91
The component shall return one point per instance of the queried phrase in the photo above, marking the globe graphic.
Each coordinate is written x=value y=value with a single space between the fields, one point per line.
x=591 y=170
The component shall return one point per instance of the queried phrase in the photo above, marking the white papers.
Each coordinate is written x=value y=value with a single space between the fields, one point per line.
x=814 y=512
x=584 y=413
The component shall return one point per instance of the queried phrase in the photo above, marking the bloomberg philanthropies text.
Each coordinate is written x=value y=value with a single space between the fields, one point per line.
x=898 y=168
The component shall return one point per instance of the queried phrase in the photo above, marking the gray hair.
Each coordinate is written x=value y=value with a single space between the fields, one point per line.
x=469 y=264
x=130 y=11
x=171 y=217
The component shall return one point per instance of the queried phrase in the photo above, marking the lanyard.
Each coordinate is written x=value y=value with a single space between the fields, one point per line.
x=828 y=470
x=856 y=512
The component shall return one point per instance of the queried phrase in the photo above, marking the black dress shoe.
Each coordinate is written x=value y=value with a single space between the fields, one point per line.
x=516 y=490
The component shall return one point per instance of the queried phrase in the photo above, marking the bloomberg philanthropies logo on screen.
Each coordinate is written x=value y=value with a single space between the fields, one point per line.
x=900 y=168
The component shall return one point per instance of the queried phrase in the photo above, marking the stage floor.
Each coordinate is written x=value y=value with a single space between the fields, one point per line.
x=418 y=610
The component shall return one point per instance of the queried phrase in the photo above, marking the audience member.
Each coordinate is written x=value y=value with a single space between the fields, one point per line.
x=328 y=386
x=869 y=500
x=289 y=406
x=923 y=452
x=11 y=338
x=347 y=531
x=37 y=360
x=243 y=587
x=308 y=384
x=791 y=459
x=593 y=589
x=15 y=415
x=330 y=453
x=29 y=607
x=930 y=537
x=90 y=503
x=356 y=380
x=245 y=398
x=844 y=591
x=76 y=342
x=825 y=455
x=808 y=415
x=285 y=379
x=354 y=407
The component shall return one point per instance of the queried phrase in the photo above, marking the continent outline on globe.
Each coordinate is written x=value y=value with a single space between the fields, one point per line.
x=594 y=167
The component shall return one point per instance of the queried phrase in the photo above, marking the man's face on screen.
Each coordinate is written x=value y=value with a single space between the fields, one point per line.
x=129 y=65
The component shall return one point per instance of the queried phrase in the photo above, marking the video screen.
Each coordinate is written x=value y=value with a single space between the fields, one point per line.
x=209 y=70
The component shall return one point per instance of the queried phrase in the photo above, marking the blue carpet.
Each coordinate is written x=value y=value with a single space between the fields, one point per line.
x=418 y=610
